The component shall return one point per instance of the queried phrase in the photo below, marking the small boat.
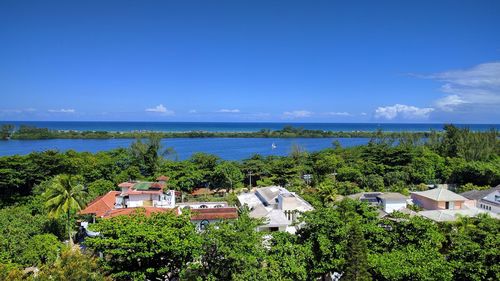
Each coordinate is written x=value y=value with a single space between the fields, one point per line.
x=273 y=146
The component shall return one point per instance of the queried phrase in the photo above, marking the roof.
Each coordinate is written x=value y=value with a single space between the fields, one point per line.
x=249 y=199
x=214 y=213
x=142 y=186
x=276 y=218
x=101 y=204
x=440 y=194
x=364 y=195
x=269 y=193
x=205 y=191
x=162 y=178
x=128 y=211
x=126 y=184
x=452 y=215
x=393 y=196
x=479 y=194
x=259 y=211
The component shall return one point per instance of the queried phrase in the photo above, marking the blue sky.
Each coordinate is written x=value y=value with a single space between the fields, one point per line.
x=301 y=61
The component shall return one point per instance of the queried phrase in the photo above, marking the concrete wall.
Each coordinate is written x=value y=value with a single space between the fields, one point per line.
x=137 y=200
x=390 y=207
x=430 y=204
x=488 y=204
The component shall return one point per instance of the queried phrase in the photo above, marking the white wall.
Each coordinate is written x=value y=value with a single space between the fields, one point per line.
x=390 y=207
x=136 y=200
x=486 y=205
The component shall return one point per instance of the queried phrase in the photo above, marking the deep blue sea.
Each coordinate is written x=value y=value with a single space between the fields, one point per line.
x=226 y=148
x=236 y=127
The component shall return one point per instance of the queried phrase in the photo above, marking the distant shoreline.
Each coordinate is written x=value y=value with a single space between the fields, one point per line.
x=25 y=132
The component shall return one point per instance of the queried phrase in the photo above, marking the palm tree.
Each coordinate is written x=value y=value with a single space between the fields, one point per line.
x=64 y=196
x=328 y=191
x=148 y=154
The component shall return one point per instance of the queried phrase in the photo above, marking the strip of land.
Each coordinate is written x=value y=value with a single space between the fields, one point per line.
x=34 y=133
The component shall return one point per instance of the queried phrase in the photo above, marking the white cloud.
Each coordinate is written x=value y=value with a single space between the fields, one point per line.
x=339 y=113
x=228 y=110
x=62 y=110
x=402 y=111
x=297 y=114
x=363 y=114
x=160 y=109
x=471 y=88
x=448 y=103
x=192 y=111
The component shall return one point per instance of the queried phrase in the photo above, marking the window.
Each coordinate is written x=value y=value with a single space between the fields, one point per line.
x=203 y=206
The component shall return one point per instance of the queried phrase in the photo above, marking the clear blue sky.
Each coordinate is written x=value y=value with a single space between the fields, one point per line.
x=302 y=61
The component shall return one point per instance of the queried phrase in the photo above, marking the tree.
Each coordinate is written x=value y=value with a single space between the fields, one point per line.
x=232 y=250
x=357 y=263
x=411 y=263
x=6 y=131
x=73 y=266
x=227 y=175
x=147 y=154
x=286 y=258
x=474 y=248
x=42 y=249
x=99 y=187
x=64 y=197
x=141 y=247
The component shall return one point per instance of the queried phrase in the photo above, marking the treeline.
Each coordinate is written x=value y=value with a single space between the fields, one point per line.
x=25 y=132
x=345 y=240
x=398 y=249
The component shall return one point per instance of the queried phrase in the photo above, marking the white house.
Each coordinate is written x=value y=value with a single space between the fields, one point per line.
x=488 y=200
x=144 y=194
x=279 y=207
x=392 y=201
x=389 y=201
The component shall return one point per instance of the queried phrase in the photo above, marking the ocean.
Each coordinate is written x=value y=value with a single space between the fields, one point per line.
x=226 y=148
x=237 y=127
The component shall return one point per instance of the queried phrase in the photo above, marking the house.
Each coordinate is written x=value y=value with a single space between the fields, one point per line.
x=438 y=199
x=145 y=194
x=205 y=216
x=278 y=207
x=389 y=201
x=152 y=197
x=392 y=201
x=488 y=200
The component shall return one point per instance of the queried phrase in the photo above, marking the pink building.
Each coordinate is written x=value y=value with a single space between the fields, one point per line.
x=438 y=199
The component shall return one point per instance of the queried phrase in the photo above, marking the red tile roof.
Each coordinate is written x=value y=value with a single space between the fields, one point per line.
x=101 y=204
x=128 y=211
x=162 y=178
x=214 y=213
x=205 y=191
x=126 y=184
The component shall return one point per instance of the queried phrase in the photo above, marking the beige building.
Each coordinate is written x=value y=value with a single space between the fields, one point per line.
x=438 y=199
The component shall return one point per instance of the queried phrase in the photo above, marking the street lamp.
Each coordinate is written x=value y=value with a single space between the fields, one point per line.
x=307 y=178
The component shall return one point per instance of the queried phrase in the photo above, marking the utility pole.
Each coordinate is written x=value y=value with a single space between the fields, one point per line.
x=250 y=175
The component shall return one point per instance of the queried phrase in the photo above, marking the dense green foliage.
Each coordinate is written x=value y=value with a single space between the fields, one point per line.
x=25 y=132
x=38 y=201
x=145 y=248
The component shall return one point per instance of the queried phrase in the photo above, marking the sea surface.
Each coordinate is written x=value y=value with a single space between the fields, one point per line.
x=226 y=148
x=237 y=127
